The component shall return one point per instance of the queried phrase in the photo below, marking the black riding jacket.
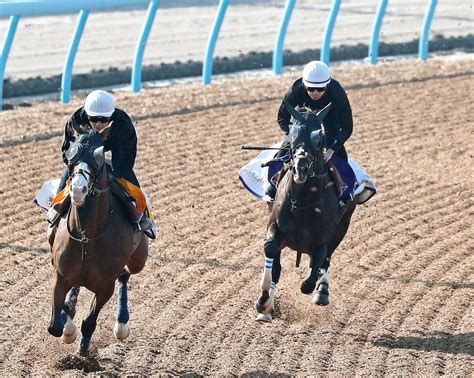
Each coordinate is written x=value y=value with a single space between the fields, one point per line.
x=337 y=123
x=121 y=141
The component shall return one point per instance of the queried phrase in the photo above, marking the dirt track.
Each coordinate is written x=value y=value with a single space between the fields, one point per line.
x=402 y=280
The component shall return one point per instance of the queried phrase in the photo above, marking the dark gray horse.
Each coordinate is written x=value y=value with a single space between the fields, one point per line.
x=305 y=214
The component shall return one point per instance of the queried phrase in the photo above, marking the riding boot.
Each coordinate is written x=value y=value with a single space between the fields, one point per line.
x=147 y=225
x=271 y=191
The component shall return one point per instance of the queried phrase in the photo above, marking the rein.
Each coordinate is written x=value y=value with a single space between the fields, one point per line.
x=294 y=207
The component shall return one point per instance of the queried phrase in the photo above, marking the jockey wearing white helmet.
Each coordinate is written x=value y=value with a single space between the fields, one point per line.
x=314 y=90
x=116 y=128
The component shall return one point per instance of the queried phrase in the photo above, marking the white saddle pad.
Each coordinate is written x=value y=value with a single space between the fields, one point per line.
x=46 y=194
x=255 y=178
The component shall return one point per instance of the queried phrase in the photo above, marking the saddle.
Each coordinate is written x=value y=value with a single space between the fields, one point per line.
x=62 y=202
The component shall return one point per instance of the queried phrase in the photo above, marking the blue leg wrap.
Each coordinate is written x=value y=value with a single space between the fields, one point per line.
x=122 y=309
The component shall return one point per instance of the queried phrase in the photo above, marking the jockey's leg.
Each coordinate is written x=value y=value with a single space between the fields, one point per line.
x=130 y=183
x=62 y=183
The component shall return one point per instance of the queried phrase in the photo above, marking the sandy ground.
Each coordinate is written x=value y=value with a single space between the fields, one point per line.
x=402 y=280
x=180 y=33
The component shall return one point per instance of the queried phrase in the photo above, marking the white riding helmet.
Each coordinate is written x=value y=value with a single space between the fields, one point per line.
x=99 y=103
x=316 y=74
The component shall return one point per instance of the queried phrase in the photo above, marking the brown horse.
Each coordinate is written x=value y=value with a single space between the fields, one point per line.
x=305 y=214
x=93 y=245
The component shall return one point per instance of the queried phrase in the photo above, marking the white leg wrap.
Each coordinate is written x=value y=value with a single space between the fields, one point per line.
x=323 y=277
x=69 y=331
x=266 y=282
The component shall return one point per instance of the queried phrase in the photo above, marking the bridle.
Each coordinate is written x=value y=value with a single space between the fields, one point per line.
x=295 y=190
x=95 y=192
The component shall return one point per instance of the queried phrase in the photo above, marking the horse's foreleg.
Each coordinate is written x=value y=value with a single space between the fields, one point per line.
x=90 y=322
x=271 y=275
x=121 y=329
x=309 y=283
x=56 y=324
x=67 y=315
x=318 y=278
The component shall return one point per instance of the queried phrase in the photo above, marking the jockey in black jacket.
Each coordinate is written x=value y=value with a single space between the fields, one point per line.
x=314 y=90
x=98 y=114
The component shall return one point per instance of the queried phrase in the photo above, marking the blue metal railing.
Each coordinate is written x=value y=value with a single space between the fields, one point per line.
x=15 y=9
x=71 y=55
x=211 y=42
x=138 y=61
x=331 y=21
x=374 y=39
x=7 y=43
x=425 y=32
x=278 y=50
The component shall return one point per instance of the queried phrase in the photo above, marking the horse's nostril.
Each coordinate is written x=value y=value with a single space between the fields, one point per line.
x=84 y=190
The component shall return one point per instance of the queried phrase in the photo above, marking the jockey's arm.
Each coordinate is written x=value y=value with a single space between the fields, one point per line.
x=341 y=121
x=284 y=116
x=124 y=151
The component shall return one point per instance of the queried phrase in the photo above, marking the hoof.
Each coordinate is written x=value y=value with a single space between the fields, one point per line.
x=55 y=331
x=267 y=318
x=69 y=331
x=307 y=288
x=321 y=298
x=264 y=303
x=121 y=330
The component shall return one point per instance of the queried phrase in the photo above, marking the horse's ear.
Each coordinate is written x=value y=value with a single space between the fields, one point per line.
x=296 y=115
x=323 y=112
x=99 y=156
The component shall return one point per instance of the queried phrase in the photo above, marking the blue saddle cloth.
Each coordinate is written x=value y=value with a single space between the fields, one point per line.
x=347 y=174
x=342 y=166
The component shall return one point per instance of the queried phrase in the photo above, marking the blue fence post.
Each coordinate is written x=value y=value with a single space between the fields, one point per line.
x=374 y=39
x=138 y=60
x=278 y=50
x=7 y=43
x=425 y=33
x=71 y=55
x=211 y=42
x=331 y=21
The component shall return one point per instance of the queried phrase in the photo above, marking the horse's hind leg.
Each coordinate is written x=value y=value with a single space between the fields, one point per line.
x=68 y=313
x=121 y=329
x=271 y=275
x=101 y=297
x=341 y=231
x=56 y=324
